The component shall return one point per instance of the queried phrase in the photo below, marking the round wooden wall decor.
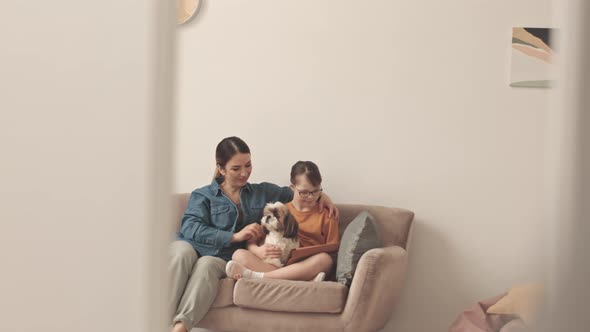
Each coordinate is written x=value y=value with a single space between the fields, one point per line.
x=186 y=9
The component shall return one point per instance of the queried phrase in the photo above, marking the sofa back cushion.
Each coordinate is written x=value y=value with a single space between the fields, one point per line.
x=393 y=224
x=180 y=202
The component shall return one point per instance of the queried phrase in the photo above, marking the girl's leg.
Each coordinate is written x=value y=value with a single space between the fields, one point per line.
x=304 y=270
x=249 y=260
x=178 y=327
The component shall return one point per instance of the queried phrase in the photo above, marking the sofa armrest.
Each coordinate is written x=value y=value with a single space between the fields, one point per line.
x=378 y=279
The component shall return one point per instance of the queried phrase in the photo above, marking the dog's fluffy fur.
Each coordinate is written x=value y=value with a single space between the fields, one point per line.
x=281 y=229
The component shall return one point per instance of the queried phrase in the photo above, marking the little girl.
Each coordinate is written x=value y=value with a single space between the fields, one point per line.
x=315 y=228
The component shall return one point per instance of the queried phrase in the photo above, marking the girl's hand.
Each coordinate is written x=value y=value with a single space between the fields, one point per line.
x=326 y=202
x=250 y=232
x=268 y=251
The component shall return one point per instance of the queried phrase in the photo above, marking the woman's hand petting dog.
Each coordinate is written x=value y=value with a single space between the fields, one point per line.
x=325 y=202
x=268 y=251
x=250 y=232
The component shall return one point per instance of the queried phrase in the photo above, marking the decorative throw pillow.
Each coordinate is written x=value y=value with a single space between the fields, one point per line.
x=522 y=300
x=359 y=237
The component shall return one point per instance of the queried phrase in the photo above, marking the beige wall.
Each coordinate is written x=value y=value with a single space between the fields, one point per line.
x=85 y=96
x=401 y=103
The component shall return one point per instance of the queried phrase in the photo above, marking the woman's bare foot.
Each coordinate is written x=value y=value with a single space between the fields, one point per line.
x=179 y=327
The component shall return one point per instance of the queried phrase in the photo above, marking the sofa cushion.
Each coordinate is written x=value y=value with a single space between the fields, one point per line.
x=290 y=296
x=225 y=293
x=359 y=237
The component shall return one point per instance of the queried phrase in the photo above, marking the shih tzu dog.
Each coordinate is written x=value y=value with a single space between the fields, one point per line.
x=281 y=230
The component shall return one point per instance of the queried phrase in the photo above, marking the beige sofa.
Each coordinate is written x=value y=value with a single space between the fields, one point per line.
x=284 y=305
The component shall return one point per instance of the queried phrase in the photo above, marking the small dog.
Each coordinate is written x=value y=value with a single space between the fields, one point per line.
x=281 y=230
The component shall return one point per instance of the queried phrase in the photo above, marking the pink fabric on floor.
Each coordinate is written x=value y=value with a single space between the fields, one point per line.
x=475 y=318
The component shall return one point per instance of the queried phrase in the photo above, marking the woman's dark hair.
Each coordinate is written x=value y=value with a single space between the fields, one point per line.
x=309 y=169
x=226 y=149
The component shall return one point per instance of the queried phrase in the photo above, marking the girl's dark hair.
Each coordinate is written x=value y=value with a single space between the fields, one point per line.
x=309 y=169
x=226 y=149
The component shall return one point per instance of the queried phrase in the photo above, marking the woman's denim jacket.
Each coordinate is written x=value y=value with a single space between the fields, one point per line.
x=210 y=217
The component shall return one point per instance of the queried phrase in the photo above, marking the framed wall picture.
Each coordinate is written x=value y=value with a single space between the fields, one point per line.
x=533 y=57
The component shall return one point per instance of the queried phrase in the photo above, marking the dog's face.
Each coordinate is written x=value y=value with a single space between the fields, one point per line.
x=276 y=218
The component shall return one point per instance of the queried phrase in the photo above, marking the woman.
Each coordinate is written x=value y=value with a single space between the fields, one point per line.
x=219 y=218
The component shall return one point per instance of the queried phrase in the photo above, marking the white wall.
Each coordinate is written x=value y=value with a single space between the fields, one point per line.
x=84 y=171
x=401 y=103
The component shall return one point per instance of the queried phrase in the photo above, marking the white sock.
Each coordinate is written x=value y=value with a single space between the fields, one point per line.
x=254 y=274
x=236 y=270
x=320 y=277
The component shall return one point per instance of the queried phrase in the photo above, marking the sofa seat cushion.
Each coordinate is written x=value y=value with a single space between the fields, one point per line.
x=225 y=293
x=290 y=296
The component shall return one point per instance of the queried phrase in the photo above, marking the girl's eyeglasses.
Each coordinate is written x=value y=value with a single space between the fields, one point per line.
x=306 y=194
